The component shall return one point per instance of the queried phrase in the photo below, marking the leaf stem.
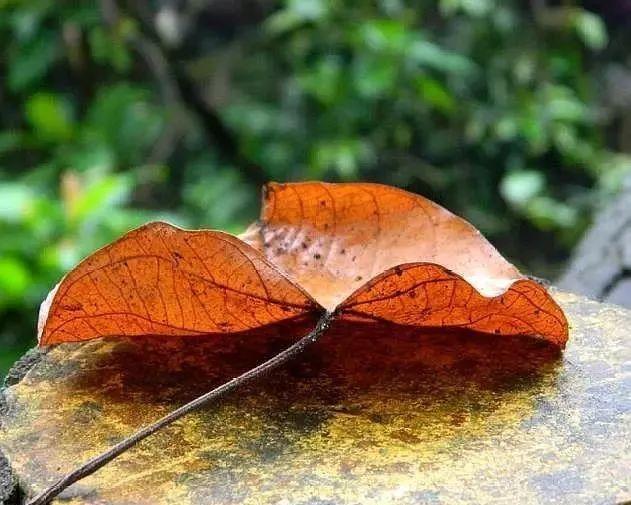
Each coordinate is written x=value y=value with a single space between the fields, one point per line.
x=92 y=465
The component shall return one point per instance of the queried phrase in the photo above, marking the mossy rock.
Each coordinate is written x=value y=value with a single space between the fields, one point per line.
x=356 y=420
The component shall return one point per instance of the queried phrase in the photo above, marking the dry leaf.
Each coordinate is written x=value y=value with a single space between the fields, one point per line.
x=161 y=280
x=369 y=252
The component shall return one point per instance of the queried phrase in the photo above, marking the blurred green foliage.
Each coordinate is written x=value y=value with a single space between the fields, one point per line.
x=109 y=115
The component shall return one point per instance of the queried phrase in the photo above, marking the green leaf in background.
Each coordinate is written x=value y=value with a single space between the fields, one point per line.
x=10 y=141
x=436 y=94
x=548 y=213
x=98 y=198
x=324 y=80
x=124 y=118
x=384 y=36
x=204 y=194
x=561 y=104
x=591 y=29
x=342 y=155
x=15 y=280
x=521 y=186
x=430 y=55
x=15 y=198
x=108 y=48
x=476 y=8
x=30 y=61
x=90 y=152
x=295 y=13
x=50 y=117
x=374 y=76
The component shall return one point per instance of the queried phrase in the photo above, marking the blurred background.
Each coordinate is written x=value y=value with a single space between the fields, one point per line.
x=513 y=114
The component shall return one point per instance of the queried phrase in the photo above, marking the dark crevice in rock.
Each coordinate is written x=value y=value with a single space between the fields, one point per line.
x=607 y=289
x=544 y=282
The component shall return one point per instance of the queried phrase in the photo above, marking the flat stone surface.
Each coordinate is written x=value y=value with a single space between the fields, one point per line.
x=356 y=420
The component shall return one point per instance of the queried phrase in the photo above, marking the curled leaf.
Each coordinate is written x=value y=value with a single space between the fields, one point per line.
x=367 y=251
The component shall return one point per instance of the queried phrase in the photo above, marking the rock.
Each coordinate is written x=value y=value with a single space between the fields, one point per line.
x=8 y=486
x=601 y=264
x=406 y=420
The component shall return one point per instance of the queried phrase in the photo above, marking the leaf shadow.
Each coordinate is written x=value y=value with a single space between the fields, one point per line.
x=383 y=373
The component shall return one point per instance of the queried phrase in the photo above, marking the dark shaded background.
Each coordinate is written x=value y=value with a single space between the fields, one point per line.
x=513 y=114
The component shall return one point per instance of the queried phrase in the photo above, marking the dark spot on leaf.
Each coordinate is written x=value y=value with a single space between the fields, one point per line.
x=317 y=256
x=72 y=306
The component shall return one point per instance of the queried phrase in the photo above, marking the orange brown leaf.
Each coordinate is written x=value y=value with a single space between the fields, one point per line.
x=161 y=280
x=367 y=251
x=425 y=295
